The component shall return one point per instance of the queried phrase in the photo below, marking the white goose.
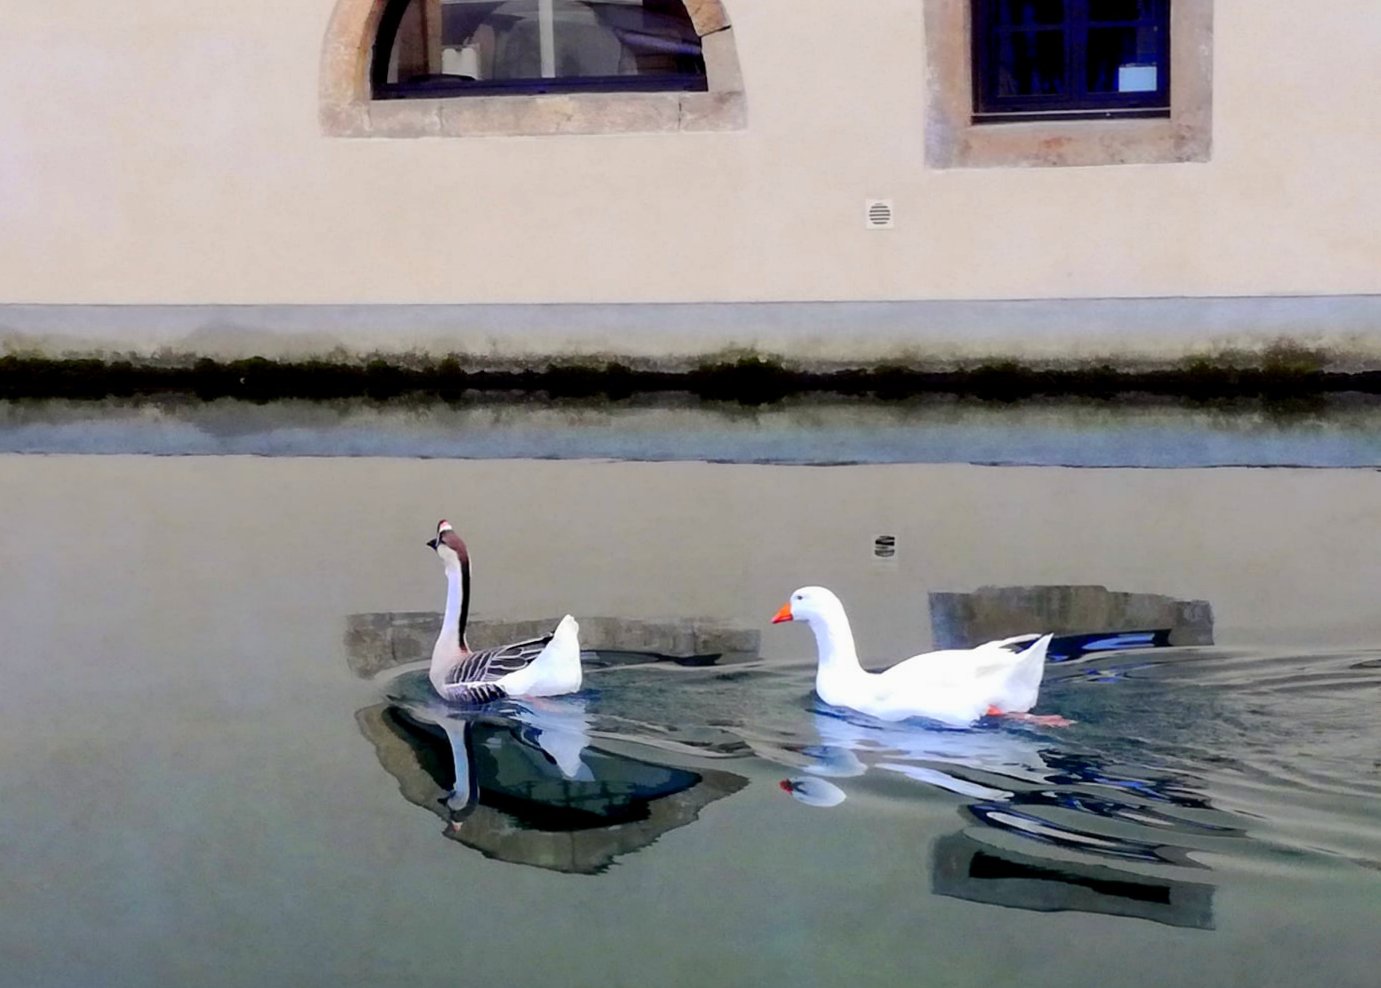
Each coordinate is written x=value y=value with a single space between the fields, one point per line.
x=954 y=686
x=545 y=666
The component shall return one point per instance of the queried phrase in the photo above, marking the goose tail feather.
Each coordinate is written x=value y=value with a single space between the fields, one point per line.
x=1025 y=681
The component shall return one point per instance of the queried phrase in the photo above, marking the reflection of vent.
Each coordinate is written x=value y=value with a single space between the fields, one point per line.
x=885 y=547
x=878 y=213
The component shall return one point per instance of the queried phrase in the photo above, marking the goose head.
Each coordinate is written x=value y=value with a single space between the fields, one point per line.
x=448 y=545
x=809 y=604
x=458 y=805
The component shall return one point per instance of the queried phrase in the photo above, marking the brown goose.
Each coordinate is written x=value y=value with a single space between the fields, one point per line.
x=545 y=666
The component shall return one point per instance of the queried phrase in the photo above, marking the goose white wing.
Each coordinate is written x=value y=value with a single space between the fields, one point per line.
x=1013 y=674
x=987 y=659
x=1002 y=659
x=474 y=677
x=960 y=685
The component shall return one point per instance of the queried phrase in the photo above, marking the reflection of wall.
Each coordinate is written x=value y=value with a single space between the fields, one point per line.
x=967 y=869
x=417 y=49
x=657 y=540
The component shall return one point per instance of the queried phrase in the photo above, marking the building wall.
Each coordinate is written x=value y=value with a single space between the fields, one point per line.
x=170 y=152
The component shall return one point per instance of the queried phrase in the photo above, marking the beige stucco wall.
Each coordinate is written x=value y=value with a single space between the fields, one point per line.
x=170 y=152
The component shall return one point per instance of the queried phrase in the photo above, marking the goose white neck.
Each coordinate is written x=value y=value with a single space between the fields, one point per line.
x=453 y=620
x=834 y=640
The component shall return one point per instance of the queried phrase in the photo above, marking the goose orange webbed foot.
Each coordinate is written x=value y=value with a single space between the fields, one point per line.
x=1039 y=720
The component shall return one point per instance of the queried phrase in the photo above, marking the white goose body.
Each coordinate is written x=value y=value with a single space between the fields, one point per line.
x=954 y=686
x=547 y=666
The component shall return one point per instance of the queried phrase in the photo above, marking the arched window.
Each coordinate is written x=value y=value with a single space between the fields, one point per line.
x=443 y=48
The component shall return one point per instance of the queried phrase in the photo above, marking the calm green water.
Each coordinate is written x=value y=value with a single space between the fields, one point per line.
x=197 y=789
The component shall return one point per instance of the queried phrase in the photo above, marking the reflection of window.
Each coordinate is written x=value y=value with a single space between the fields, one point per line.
x=1071 y=58
x=484 y=47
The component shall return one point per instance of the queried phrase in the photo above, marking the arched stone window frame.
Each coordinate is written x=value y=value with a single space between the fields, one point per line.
x=347 y=109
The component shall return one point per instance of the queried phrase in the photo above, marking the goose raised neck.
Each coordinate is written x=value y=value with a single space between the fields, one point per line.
x=834 y=642
x=451 y=641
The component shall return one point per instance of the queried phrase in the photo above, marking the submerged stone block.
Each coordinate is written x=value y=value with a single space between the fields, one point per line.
x=375 y=642
x=962 y=620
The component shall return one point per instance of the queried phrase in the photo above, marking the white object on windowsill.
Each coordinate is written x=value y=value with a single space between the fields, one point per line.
x=1136 y=77
x=464 y=62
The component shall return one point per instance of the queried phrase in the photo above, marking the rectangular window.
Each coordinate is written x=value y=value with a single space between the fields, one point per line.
x=1070 y=59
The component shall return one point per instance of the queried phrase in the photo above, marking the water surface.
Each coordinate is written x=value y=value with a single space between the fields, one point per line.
x=198 y=789
x=1340 y=431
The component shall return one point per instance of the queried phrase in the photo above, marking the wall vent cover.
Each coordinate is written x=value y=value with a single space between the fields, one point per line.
x=878 y=214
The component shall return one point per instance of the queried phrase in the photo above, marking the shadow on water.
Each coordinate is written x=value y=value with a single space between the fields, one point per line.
x=520 y=781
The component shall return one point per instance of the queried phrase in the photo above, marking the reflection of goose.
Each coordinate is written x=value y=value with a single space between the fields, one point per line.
x=850 y=746
x=1011 y=783
x=545 y=666
x=1052 y=868
x=519 y=782
x=464 y=792
x=560 y=728
x=955 y=686
x=813 y=792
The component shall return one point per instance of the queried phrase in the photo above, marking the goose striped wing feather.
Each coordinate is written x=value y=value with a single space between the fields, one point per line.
x=491 y=664
x=475 y=693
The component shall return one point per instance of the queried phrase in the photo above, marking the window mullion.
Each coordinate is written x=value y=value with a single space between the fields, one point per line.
x=985 y=56
x=1076 y=41
x=1162 y=14
x=546 y=30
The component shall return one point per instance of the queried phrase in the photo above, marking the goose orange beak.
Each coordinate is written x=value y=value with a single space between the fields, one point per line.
x=784 y=614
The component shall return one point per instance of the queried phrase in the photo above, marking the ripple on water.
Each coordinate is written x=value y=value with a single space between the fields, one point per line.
x=1178 y=758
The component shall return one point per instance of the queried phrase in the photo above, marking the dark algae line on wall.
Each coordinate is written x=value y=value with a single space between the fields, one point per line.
x=747 y=379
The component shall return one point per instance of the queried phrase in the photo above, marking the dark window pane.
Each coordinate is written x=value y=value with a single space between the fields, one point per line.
x=1031 y=63
x=1070 y=57
x=1123 y=60
x=498 y=41
x=1030 y=12
x=1119 y=10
